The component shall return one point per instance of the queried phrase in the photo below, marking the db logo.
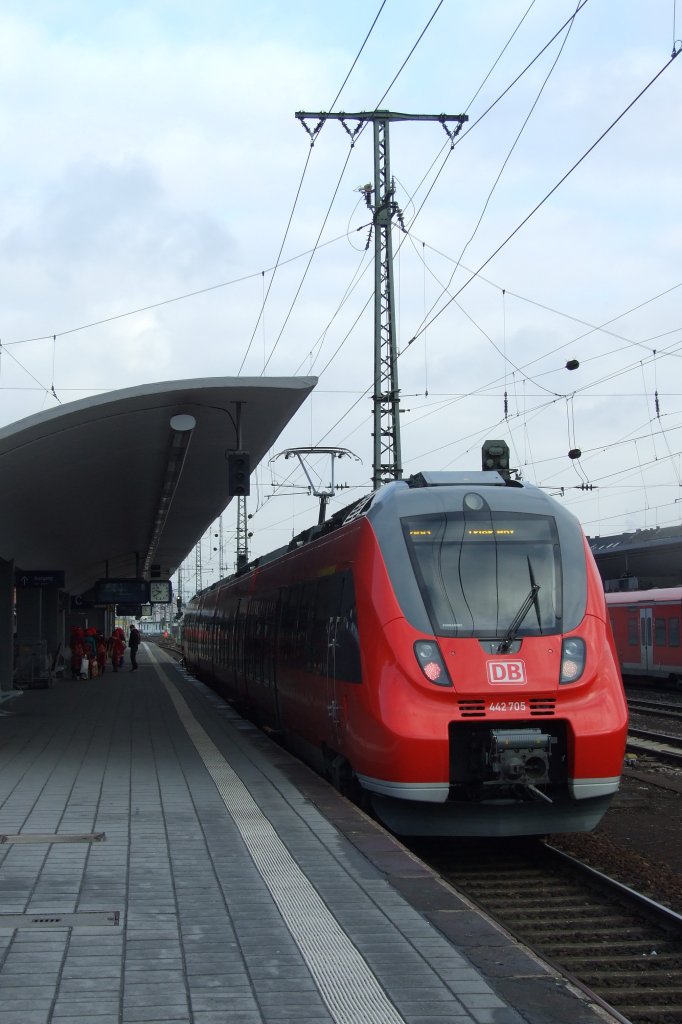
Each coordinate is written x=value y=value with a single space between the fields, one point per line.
x=506 y=672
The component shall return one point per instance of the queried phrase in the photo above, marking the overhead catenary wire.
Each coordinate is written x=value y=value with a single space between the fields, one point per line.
x=353 y=139
x=330 y=340
x=562 y=313
x=513 y=147
x=475 y=123
x=340 y=179
x=298 y=193
x=188 y=295
x=178 y=298
x=313 y=251
x=568 y=22
x=529 y=414
x=483 y=332
x=548 y=195
x=250 y=276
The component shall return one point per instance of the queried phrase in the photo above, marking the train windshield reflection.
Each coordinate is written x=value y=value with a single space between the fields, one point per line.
x=475 y=570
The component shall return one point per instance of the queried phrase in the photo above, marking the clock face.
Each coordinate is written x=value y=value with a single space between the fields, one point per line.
x=160 y=591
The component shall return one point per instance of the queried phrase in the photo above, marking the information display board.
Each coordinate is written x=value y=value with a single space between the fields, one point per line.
x=119 y=591
x=129 y=609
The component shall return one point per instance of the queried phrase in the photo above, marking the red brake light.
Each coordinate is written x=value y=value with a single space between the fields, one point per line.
x=431 y=662
x=573 y=653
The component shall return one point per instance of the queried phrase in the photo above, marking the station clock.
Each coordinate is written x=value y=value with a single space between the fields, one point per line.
x=160 y=592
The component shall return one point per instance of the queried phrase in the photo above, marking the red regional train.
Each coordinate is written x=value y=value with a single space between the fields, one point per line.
x=646 y=629
x=441 y=647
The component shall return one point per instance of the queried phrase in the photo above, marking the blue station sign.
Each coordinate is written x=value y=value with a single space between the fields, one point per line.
x=39 y=578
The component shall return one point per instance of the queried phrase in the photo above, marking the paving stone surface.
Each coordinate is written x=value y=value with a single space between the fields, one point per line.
x=208 y=931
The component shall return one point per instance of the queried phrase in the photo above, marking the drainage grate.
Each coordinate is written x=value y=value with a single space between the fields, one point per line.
x=54 y=837
x=84 y=919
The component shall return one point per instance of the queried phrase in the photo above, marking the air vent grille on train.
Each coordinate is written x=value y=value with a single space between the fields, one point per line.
x=542 y=706
x=472 y=708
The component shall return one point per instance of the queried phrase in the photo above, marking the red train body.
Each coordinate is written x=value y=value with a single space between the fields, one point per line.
x=646 y=629
x=443 y=646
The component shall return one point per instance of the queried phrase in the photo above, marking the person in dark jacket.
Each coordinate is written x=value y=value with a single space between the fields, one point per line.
x=133 y=644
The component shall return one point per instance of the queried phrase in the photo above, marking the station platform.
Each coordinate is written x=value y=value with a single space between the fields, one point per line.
x=161 y=860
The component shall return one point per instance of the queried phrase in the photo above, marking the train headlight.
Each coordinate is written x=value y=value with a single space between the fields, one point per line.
x=431 y=662
x=572 y=659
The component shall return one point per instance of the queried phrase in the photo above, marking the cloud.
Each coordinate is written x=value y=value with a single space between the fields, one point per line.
x=152 y=150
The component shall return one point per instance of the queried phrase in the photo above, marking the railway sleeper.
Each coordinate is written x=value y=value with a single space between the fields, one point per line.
x=598 y=919
x=653 y=1014
x=636 y=959
x=637 y=947
x=666 y=997
x=629 y=988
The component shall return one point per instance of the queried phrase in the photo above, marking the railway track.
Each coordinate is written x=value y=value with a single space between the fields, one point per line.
x=617 y=945
x=169 y=645
x=659 y=746
x=621 y=948
x=660 y=708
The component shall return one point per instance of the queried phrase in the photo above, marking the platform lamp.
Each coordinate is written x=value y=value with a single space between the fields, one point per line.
x=182 y=426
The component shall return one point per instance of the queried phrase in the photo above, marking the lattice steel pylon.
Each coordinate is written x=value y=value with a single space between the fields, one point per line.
x=221 y=548
x=199 y=580
x=380 y=199
x=180 y=595
x=242 y=535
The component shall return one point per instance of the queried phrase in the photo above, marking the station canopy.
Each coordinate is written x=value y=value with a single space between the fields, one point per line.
x=124 y=484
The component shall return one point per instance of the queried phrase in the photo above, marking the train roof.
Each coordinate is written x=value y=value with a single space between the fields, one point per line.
x=425 y=492
x=658 y=595
x=434 y=492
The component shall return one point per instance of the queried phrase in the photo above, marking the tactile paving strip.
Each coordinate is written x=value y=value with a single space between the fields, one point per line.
x=351 y=991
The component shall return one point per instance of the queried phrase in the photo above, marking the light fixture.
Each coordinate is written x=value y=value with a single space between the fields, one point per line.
x=182 y=426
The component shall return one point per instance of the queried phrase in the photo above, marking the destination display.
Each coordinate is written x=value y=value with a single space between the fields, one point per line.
x=129 y=609
x=122 y=591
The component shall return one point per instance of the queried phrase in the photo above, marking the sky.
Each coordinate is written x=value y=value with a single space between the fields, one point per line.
x=154 y=175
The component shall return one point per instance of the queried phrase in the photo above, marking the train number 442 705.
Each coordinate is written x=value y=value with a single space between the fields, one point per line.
x=507 y=705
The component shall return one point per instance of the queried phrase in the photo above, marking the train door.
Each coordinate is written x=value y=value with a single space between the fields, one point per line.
x=333 y=587
x=646 y=638
x=343 y=652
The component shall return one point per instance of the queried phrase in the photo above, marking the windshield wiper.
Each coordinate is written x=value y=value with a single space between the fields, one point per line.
x=509 y=637
x=536 y=603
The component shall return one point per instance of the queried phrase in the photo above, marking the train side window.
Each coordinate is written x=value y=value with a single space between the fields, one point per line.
x=288 y=615
x=319 y=644
x=296 y=616
x=251 y=620
x=347 y=666
x=633 y=632
x=271 y=637
x=306 y=624
x=674 y=632
x=660 y=635
x=229 y=654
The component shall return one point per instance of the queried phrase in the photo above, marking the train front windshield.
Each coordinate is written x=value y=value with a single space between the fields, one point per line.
x=477 y=573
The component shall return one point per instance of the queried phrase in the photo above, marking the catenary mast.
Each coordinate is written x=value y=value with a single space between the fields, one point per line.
x=242 y=534
x=380 y=199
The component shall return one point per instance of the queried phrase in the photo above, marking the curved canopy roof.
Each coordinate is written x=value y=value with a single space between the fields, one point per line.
x=107 y=486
